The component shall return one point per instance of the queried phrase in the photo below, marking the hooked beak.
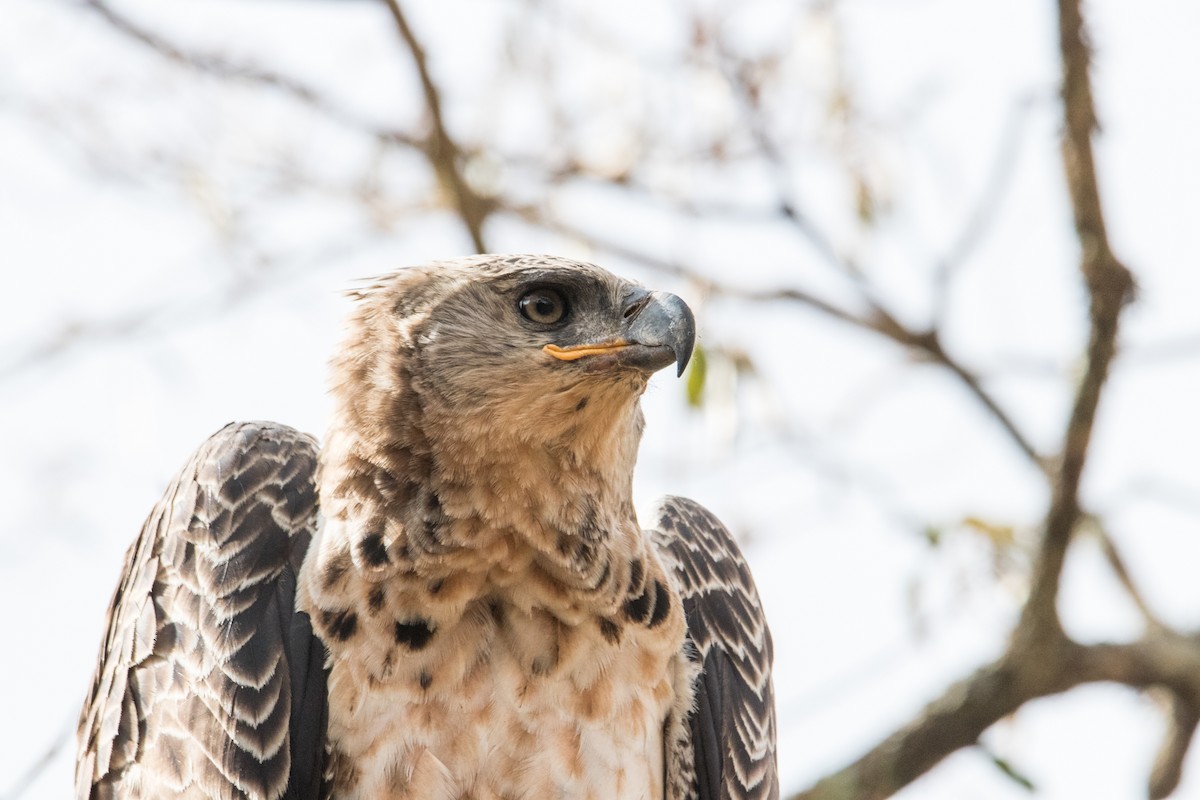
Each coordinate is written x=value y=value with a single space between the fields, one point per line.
x=657 y=328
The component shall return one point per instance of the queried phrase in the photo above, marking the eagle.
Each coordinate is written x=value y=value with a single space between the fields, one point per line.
x=452 y=597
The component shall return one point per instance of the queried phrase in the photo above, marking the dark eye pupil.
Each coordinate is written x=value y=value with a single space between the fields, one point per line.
x=543 y=305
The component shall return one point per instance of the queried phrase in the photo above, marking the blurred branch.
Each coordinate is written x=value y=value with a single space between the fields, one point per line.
x=218 y=66
x=1178 y=496
x=984 y=211
x=1165 y=351
x=35 y=770
x=1117 y=564
x=443 y=153
x=880 y=319
x=72 y=333
x=1040 y=659
x=1006 y=768
x=969 y=707
x=176 y=313
x=1168 y=763
x=877 y=319
x=1110 y=286
x=749 y=92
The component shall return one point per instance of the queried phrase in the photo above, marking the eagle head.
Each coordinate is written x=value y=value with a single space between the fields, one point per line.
x=498 y=388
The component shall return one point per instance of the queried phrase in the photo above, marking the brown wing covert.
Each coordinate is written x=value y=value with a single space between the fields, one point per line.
x=729 y=738
x=208 y=683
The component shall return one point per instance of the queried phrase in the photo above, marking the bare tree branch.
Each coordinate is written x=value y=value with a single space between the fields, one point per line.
x=1040 y=659
x=983 y=211
x=877 y=320
x=1024 y=673
x=1117 y=564
x=1168 y=764
x=880 y=319
x=35 y=770
x=212 y=64
x=1110 y=286
x=1157 y=352
x=176 y=312
x=446 y=156
x=443 y=153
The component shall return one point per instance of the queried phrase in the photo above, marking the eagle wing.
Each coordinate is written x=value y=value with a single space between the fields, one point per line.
x=209 y=684
x=727 y=747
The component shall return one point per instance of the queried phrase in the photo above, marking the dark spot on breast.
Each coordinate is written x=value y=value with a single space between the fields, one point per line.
x=497 y=612
x=430 y=536
x=376 y=597
x=335 y=570
x=610 y=630
x=638 y=609
x=425 y=679
x=436 y=586
x=585 y=551
x=373 y=550
x=413 y=634
x=662 y=605
x=340 y=625
x=589 y=527
x=637 y=571
x=583 y=401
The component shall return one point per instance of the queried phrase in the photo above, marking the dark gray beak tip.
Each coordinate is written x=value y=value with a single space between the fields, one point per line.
x=684 y=329
x=665 y=321
x=683 y=353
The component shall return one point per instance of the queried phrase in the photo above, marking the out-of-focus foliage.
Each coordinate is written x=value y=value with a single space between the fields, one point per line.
x=697 y=372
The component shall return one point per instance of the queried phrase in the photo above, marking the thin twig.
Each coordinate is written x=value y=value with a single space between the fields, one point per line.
x=1168 y=763
x=984 y=211
x=221 y=67
x=1117 y=564
x=443 y=153
x=877 y=319
x=35 y=770
x=176 y=313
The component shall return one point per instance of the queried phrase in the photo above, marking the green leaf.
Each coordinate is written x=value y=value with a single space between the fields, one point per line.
x=933 y=535
x=1008 y=770
x=697 y=373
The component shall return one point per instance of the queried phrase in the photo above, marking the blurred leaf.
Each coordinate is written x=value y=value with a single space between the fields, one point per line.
x=1008 y=770
x=1002 y=537
x=864 y=200
x=697 y=373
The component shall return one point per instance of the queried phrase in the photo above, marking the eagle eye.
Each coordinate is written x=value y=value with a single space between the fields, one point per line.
x=543 y=306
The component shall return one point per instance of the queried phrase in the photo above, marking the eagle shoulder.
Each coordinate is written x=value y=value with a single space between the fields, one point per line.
x=724 y=745
x=208 y=684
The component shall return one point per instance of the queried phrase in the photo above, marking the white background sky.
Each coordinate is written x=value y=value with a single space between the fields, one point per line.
x=130 y=189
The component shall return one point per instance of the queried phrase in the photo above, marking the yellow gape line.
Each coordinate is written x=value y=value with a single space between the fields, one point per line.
x=581 y=350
